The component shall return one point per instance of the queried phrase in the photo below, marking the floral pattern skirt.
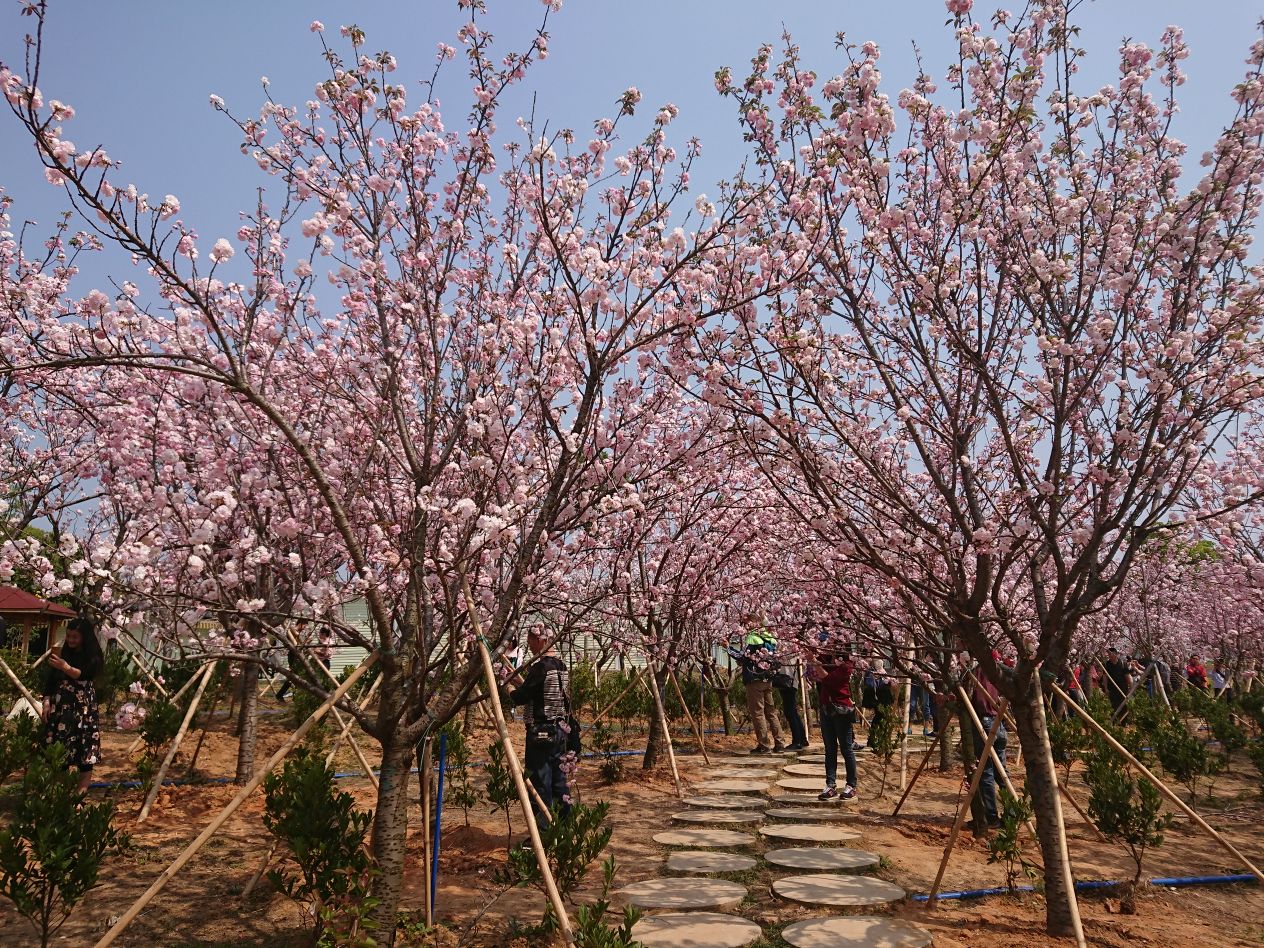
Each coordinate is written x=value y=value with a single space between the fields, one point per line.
x=74 y=723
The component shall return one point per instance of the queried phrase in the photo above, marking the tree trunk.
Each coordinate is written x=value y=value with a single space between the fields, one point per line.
x=945 y=740
x=390 y=836
x=247 y=722
x=1042 y=784
x=726 y=710
x=656 y=743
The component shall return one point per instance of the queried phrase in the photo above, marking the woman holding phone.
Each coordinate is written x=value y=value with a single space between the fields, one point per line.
x=70 y=699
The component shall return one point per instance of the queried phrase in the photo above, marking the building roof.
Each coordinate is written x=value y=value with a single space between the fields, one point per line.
x=19 y=604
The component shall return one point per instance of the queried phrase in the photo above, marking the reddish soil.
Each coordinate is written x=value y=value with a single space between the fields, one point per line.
x=202 y=905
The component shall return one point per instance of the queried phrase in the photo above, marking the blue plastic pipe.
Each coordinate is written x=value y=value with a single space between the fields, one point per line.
x=1093 y=885
x=438 y=825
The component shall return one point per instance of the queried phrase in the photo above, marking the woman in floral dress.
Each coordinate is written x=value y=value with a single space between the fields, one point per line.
x=70 y=700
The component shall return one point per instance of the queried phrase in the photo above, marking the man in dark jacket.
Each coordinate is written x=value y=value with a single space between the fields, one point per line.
x=545 y=697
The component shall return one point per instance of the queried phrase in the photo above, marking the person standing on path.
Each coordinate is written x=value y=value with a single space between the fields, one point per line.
x=545 y=696
x=786 y=681
x=756 y=662
x=986 y=700
x=1118 y=678
x=70 y=700
x=838 y=717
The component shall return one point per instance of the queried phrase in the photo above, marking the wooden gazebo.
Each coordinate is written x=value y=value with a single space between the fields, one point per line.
x=22 y=610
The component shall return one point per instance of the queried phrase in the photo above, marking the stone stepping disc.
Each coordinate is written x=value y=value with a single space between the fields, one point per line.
x=718 y=816
x=809 y=833
x=802 y=783
x=726 y=801
x=856 y=931
x=705 y=838
x=838 y=891
x=741 y=773
x=821 y=860
x=733 y=786
x=695 y=930
x=813 y=758
x=773 y=754
x=683 y=892
x=805 y=770
x=711 y=862
x=732 y=762
x=821 y=814
x=803 y=799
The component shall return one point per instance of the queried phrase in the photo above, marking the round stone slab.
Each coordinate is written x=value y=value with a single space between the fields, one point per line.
x=813 y=758
x=808 y=833
x=683 y=892
x=821 y=860
x=741 y=773
x=718 y=816
x=839 y=891
x=808 y=813
x=732 y=762
x=710 y=862
x=725 y=801
x=856 y=931
x=707 y=839
x=695 y=930
x=805 y=770
x=803 y=799
x=802 y=783
x=733 y=786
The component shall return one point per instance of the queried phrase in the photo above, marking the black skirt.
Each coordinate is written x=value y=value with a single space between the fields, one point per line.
x=74 y=723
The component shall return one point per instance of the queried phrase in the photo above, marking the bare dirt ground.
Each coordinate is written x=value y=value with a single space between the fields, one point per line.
x=203 y=906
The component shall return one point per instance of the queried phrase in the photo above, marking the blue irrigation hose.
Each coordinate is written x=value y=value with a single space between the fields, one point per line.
x=1093 y=885
x=438 y=825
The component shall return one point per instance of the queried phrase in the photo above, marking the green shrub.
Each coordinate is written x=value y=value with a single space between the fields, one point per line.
x=1126 y=810
x=116 y=676
x=502 y=793
x=325 y=835
x=52 y=850
x=884 y=738
x=20 y=663
x=571 y=843
x=1005 y=845
x=461 y=790
x=162 y=721
x=20 y=741
x=605 y=743
x=1184 y=756
x=591 y=930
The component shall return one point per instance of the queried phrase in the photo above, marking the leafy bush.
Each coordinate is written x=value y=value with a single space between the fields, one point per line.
x=51 y=852
x=1125 y=809
x=325 y=835
x=116 y=676
x=605 y=743
x=1256 y=753
x=1005 y=846
x=571 y=843
x=20 y=663
x=591 y=930
x=1184 y=756
x=502 y=794
x=1067 y=738
x=19 y=743
x=460 y=789
x=884 y=738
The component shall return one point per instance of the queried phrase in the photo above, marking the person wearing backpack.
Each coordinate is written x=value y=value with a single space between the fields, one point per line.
x=756 y=662
x=786 y=682
x=552 y=730
x=832 y=674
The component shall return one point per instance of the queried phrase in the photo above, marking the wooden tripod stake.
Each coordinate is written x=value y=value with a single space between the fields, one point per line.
x=1159 y=784
x=975 y=779
x=515 y=768
x=191 y=850
x=662 y=720
x=696 y=726
x=175 y=743
x=920 y=767
x=997 y=764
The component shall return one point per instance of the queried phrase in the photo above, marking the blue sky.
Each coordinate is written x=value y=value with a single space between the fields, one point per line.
x=139 y=73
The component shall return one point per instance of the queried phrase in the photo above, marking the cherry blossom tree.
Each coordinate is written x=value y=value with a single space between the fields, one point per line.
x=439 y=325
x=1024 y=337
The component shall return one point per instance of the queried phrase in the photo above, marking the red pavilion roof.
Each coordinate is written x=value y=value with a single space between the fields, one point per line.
x=18 y=604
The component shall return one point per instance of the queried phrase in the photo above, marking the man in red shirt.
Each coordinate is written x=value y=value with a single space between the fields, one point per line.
x=832 y=673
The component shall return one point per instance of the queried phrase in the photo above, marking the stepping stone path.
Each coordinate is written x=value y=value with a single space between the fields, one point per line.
x=809 y=834
x=826 y=874
x=856 y=931
x=806 y=770
x=695 y=930
x=718 y=816
x=836 y=890
x=709 y=862
x=819 y=859
x=822 y=814
x=680 y=892
x=733 y=786
x=726 y=801
x=710 y=839
x=802 y=783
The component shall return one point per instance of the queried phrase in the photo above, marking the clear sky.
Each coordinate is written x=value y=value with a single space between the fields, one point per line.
x=139 y=72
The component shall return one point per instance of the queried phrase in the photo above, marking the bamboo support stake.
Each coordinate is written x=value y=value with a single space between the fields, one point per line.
x=350 y=722
x=1122 y=711
x=150 y=797
x=975 y=779
x=213 y=827
x=636 y=679
x=423 y=778
x=803 y=689
x=662 y=719
x=35 y=703
x=1159 y=784
x=1162 y=690
x=904 y=729
x=1066 y=792
x=697 y=729
x=997 y=764
x=254 y=879
x=38 y=661
x=535 y=794
x=918 y=772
